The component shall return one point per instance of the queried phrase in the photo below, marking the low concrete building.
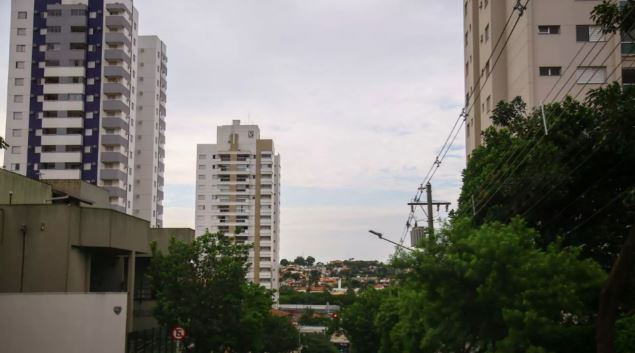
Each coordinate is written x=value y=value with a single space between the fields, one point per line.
x=54 y=238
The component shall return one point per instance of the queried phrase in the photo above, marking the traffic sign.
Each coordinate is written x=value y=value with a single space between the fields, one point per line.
x=179 y=333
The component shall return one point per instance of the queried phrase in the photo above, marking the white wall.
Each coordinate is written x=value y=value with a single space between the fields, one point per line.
x=62 y=323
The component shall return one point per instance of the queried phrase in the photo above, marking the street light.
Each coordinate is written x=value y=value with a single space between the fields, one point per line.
x=381 y=236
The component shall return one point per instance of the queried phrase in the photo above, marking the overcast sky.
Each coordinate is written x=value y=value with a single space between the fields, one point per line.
x=358 y=96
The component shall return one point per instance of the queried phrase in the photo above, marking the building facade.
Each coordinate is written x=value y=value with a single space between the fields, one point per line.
x=553 y=41
x=71 y=93
x=150 y=142
x=238 y=193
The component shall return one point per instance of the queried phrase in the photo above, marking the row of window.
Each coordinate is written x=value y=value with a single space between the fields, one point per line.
x=583 y=74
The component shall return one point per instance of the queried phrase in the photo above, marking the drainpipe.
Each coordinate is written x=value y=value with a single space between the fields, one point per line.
x=23 y=231
x=10 y=197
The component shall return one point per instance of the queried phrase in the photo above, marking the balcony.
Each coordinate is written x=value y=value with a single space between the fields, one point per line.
x=60 y=174
x=62 y=105
x=114 y=123
x=55 y=123
x=116 y=71
x=112 y=174
x=628 y=48
x=115 y=105
x=114 y=140
x=63 y=88
x=116 y=54
x=61 y=157
x=64 y=71
x=58 y=140
x=108 y=157
x=116 y=88
x=116 y=38
x=115 y=191
x=118 y=21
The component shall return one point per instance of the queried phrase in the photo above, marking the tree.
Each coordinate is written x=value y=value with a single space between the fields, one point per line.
x=310 y=260
x=559 y=180
x=485 y=289
x=284 y=262
x=358 y=320
x=317 y=343
x=282 y=336
x=3 y=144
x=314 y=277
x=300 y=261
x=201 y=286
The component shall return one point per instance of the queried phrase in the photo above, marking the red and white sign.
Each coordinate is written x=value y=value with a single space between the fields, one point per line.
x=179 y=333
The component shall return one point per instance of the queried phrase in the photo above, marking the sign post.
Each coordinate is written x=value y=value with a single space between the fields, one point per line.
x=178 y=334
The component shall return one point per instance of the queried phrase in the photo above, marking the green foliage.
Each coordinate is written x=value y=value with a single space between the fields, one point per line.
x=359 y=321
x=201 y=286
x=625 y=341
x=557 y=181
x=613 y=17
x=310 y=260
x=310 y=318
x=289 y=296
x=284 y=262
x=486 y=289
x=300 y=261
x=282 y=336
x=317 y=343
x=3 y=144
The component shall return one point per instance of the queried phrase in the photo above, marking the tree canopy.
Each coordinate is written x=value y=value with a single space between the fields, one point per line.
x=201 y=286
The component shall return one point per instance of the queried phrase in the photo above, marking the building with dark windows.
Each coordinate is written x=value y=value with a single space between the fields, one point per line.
x=72 y=97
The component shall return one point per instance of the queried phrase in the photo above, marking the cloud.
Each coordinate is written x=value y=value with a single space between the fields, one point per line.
x=358 y=96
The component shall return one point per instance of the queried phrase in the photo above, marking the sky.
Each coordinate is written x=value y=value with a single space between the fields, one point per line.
x=358 y=96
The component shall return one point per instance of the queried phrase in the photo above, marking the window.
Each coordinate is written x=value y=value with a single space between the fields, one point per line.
x=86 y=166
x=590 y=74
x=489 y=103
x=486 y=33
x=89 y=132
x=628 y=77
x=54 y=29
x=201 y=177
x=20 y=48
x=17 y=115
x=19 y=64
x=16 y=133
x=548 y=29
x=586 y=33
x=22 y=15
x=201 y=156
x=21 y=31
x=550 y=70
x=55 y=13
x=78 y=12
x=53 y=46
x=18 y=82
x=18 y=98
x=15 y=166
x=200 y=197
x=16 y=149
x=87 y=149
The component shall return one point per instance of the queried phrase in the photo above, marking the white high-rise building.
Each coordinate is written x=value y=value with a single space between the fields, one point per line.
x=150 y=141
x=72 y=94
x=238 y=194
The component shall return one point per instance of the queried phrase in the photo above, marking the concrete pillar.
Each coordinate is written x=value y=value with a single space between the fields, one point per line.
x=132 y=259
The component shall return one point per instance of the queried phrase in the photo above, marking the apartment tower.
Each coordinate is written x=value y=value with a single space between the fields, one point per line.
x=238 y=194
x=71 y=93
x=539 y=57
x=150 y=130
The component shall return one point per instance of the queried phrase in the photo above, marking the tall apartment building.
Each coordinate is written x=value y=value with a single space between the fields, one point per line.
x=72 y=93
x=238 y=193
x=150 y=130
x=548 y=36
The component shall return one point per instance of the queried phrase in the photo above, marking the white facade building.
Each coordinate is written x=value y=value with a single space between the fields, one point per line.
x=150 y=129
x=71 y=94
x=238 y=193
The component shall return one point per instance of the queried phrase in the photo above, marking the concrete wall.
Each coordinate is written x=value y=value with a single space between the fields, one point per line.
x=82 y=190
x=63 y=323
x=24 y=190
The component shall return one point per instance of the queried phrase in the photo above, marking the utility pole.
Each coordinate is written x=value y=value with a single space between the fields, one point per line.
x=429 y=203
